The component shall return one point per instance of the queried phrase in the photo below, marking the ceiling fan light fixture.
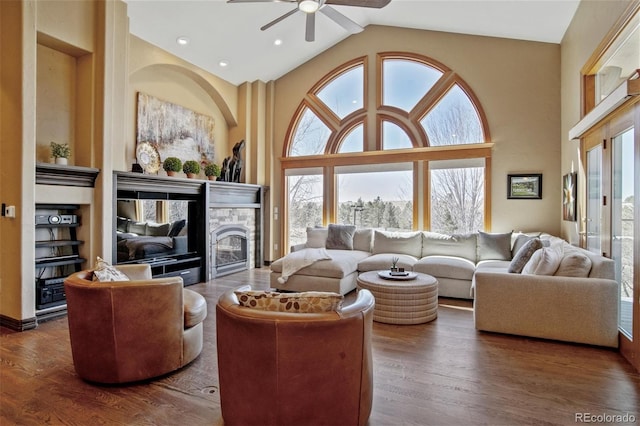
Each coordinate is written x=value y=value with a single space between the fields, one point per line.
x=309 y=6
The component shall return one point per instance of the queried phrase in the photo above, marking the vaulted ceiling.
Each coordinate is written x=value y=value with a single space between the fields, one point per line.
x=220 y=32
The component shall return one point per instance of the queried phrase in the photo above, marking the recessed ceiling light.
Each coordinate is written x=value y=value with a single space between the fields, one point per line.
x=277 y=42
x=182 y=40
x=223 y=63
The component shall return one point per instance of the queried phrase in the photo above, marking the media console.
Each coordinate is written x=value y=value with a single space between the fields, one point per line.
x=170 y=198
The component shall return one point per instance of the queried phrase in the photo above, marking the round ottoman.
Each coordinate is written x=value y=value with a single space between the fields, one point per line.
x=403 y=301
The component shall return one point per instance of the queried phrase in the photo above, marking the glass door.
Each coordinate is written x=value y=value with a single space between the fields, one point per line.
x=622 y=224
x=594 y=200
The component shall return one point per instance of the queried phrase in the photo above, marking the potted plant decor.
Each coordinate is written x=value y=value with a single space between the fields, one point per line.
x=394 y=264
x=172 y=165
x=191 y=168
x=61 y=152
x=212 y=171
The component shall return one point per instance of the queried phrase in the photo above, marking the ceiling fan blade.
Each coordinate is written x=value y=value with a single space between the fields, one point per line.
x=342 y=20
x=275 y=21
x=261 y=1
x=376 y=4
x=310 y=33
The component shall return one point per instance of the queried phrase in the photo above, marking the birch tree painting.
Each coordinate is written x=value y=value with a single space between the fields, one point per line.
x=175 y=130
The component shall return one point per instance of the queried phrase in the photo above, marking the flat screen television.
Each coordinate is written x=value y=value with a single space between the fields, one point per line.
x=152 y=229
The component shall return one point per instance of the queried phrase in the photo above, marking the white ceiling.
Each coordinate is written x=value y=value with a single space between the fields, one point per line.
x=219 y=31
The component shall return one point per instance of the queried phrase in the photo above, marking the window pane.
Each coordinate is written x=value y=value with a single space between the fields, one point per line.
x=353 y=141
x=457 y=200
x=381 y=199
x=311 y=135
x=393 y=137
x=344 y=94
x=453 y=121
x=622 y=59
x=405 y=82
x=305 y=205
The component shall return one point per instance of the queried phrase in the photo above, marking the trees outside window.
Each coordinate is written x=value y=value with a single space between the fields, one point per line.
x=421 y=105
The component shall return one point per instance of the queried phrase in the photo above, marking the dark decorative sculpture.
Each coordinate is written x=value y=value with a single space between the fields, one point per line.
x=224 y=172
x=232 y=166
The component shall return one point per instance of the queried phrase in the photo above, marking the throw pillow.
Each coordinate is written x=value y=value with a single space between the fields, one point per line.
x=317 y=237
x=523 y=255
x=544 y=261
x=122 y=224
x=574 y=264
x=105 y=272
x=520 y=240
x=494 y=246
x=310 y=302
x=157 y=229
x=176 y=227
x=340 y=237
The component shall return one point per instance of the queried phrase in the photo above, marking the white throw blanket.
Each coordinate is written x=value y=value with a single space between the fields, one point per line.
x=297 y=260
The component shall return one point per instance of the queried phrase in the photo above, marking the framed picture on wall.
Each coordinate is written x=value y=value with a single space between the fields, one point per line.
x=524 y=186
x=569 y=197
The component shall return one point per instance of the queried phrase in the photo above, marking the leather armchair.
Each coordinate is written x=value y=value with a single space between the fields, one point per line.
x=278 y=368
x=132 y=330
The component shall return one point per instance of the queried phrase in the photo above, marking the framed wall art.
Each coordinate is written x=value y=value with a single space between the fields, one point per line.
x=524 y=186
x=175 y=131
x=569 y=199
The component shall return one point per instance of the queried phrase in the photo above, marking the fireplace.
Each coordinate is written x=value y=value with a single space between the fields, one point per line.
x=229 y=250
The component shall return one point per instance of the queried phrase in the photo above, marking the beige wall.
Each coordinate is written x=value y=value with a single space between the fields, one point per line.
x=56 y=101
x=589 y=26
x=517 y=83
x=161 y=74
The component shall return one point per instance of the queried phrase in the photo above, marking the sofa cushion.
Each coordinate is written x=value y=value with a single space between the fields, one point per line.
x=342 y=263
x=340 y=237
x=574 y=264
x=492 y=246
x=523 y=255
x=459 y=245
x=362 y=239
x=317 y=237
x=306 y=302
x=446 y=267
x=138 y=228
x=398 y=243
x=382 y=261
x=493 y=266
x=544 y=261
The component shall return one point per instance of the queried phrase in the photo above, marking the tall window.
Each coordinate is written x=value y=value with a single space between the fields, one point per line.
x=304 y=204
x=362 y=151
x=376 y=197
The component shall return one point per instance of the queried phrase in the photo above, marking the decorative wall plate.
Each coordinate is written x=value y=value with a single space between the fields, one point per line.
x=148 y=157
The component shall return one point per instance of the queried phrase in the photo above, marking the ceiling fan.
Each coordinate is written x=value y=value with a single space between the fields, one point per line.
x=310 y=7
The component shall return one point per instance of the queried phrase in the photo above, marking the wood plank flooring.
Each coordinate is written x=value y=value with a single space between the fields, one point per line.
x=440 y=373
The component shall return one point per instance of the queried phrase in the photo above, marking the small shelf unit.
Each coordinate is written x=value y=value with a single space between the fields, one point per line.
x=62 y=258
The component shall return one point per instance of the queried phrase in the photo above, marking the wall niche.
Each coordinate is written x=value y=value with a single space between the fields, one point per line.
x=63 y=99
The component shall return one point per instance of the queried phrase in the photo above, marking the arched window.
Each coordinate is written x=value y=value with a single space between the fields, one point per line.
x=414 y=159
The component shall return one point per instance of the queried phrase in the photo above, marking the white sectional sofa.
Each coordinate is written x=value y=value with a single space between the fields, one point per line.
x=542 y=302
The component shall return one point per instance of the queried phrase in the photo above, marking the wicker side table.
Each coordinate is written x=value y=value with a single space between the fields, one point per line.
x=402 y=301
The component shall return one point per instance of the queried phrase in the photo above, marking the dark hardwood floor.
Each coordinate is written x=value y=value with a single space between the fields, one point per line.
x=440 y=373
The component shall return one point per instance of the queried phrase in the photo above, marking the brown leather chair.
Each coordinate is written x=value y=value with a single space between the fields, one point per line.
x=132 y=330
x=279 y=368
